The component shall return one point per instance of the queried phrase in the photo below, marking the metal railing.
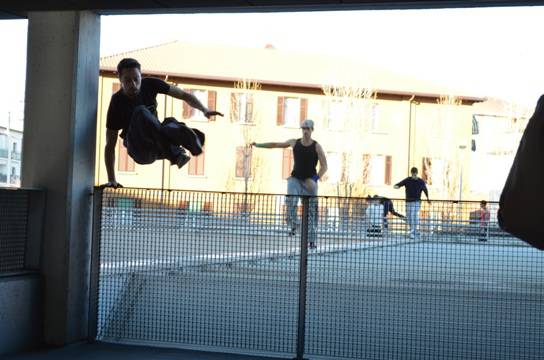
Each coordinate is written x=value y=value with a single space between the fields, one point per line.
x=226 y=271
x=21 y=224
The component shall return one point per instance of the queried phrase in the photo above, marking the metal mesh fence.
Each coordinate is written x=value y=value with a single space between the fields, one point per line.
x=13 y=229
x=222 y=270
x=197 y=269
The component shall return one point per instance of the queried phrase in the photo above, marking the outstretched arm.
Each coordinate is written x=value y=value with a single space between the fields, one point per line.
x=191 y=100
x=398 y=185
x=322 y=161
x=273 y=145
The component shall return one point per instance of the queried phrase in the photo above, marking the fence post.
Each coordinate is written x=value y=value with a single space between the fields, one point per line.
x=95 y=263
x=303 y=273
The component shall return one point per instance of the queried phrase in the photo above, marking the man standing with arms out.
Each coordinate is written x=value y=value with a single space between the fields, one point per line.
x=133 y=110
x=304 y=177
x=413 y=186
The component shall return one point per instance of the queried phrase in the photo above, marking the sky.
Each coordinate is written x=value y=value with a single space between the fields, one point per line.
x=492 y=52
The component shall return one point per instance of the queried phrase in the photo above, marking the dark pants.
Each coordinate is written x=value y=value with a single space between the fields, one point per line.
x=147 y=139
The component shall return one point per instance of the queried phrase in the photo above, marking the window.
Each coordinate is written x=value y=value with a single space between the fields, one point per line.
x=335 y=115
x=377 y=169
x=125 y=161
x=3 y=145
x=291 y=111
x=14 y=176
x=287 y=163
x=376 y=122
x=334 y=164
x=206 y=97
x=3 y=173
x=242 y=108
x=243 y=162
x=196 y=165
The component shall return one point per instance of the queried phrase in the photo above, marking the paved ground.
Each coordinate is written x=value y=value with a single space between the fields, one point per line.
x=441 y=296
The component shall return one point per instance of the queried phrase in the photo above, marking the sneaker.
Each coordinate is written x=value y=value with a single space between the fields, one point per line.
x=182 y=160
x=293 y=231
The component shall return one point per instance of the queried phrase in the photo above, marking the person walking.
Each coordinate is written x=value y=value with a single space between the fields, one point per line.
x=413 y=186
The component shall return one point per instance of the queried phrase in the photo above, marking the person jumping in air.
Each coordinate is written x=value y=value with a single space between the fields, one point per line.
x=133 y=111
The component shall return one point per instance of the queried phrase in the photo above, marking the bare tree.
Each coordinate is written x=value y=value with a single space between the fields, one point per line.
x=349 y=111
x=243 y=112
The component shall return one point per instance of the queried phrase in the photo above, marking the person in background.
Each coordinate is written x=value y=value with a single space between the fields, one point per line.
x=307 y=153
x=413 y=186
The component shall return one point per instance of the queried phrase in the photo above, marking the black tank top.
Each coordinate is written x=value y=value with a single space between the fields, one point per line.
x=305 y=160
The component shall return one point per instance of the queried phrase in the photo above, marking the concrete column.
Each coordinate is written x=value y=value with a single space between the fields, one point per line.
x=58 y=156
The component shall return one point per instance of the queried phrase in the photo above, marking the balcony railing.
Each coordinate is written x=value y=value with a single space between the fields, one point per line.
x=225 y=271
x=16 y=156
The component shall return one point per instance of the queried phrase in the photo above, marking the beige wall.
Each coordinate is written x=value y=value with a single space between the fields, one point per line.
x=437 y=132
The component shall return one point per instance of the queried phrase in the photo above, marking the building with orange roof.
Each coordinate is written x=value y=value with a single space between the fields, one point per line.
x=371 y=140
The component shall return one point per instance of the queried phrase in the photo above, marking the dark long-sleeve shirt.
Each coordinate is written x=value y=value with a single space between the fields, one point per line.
x=414 y=188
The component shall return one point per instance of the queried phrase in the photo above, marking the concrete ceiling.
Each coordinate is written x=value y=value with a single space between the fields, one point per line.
x=19 y=8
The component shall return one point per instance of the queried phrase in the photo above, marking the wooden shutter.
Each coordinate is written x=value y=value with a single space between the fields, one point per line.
x=234 y=110
x=366 y=168
x=249 y=158
x=196 y=165
x=388 y=169
x=287 y=163
x=125 y=162
x=303 y=109
x=212 y=102
x=188 y=111
x=249 y=108
x=281 y=111
x=426 y=173
x=240 y=162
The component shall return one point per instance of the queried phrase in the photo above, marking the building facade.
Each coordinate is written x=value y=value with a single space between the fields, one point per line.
x=372 y=135
x=11 y=139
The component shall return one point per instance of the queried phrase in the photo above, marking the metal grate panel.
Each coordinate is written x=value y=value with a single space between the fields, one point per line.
x=221 y=270
x=13 y=229
x=197 y=269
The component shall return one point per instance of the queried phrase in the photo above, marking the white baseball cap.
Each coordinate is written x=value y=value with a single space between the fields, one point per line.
x=307 y=124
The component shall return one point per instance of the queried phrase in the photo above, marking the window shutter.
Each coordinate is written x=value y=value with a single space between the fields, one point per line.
x=249 y=156
x=126 y=163
x=187 y=109
x=115 y=87
x=388 y=169
x=212 y=102
x=281 y=111
x=239 y=162
x=287 y=163
x=303 y=109
x=366 y=168
x=234 y=111
x=196 y=165
x=249 y=108
x=122 y=165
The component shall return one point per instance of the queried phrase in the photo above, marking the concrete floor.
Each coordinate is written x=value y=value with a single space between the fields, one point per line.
x=105 y=351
